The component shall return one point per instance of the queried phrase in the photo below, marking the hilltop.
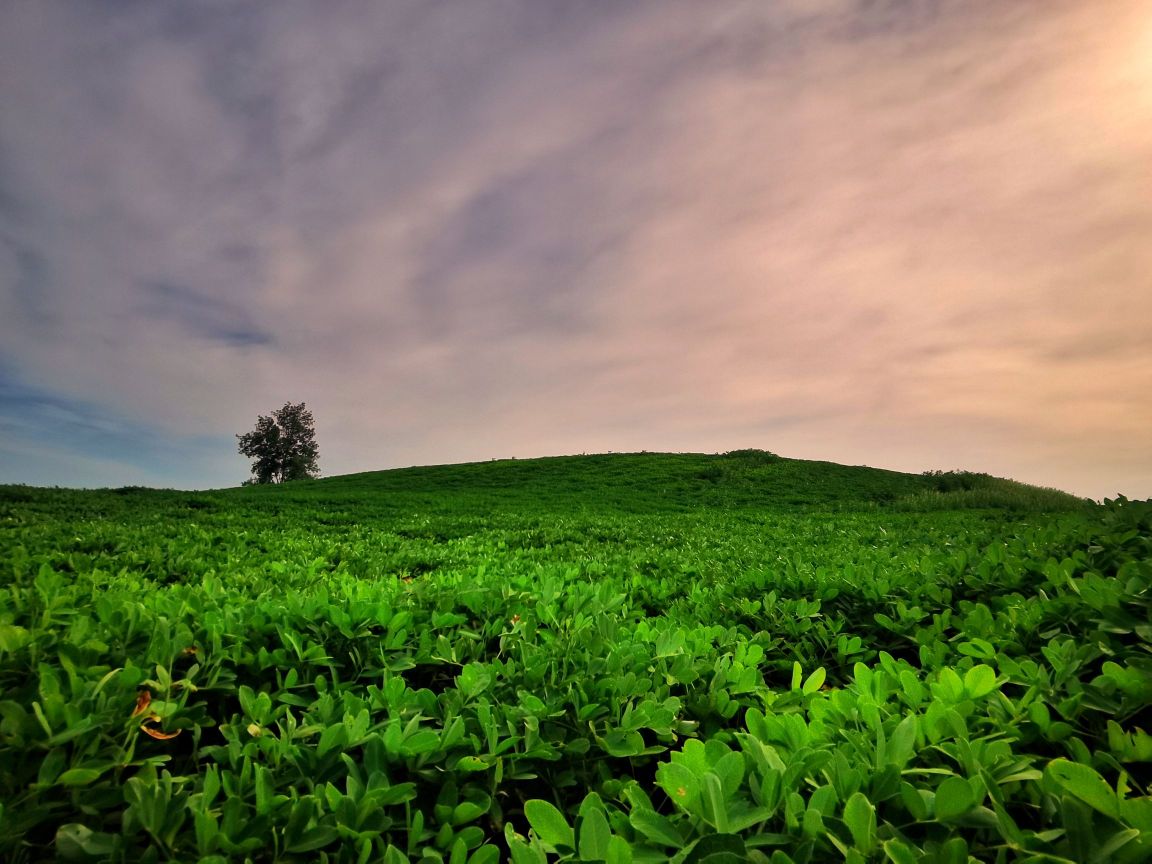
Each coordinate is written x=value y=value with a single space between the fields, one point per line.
x=629 y=483
x=663 y=482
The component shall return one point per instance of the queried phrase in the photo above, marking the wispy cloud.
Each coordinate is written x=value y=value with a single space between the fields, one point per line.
x=201 y=315
x=25 y=270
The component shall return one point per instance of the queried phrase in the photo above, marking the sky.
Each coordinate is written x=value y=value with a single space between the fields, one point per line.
x=912 y=234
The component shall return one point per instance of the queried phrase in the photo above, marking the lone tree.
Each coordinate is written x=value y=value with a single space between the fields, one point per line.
x=282 y=447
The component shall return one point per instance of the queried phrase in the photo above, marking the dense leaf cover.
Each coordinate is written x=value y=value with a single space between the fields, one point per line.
x=473 y=664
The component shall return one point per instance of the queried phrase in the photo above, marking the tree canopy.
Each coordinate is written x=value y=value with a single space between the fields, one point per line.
x=282 y=446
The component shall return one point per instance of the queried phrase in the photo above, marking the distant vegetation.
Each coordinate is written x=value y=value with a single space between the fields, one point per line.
x=660 y=482
x=621 y=658
x=958 y=489
x=282 y=446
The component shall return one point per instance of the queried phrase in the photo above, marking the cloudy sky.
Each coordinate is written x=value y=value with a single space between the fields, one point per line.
x=905 y=233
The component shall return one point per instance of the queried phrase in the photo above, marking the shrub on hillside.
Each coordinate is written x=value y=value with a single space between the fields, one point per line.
x=958 y=481
x=752 y=454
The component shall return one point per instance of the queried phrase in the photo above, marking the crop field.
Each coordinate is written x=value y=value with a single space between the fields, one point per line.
x=621 y=658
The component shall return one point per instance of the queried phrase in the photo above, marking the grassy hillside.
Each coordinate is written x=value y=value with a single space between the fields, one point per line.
x=667 y=482
x=614 y=482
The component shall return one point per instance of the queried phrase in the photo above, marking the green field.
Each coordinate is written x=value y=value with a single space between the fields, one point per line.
x=616 y=658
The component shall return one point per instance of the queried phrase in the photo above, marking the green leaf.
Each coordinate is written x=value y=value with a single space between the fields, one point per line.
x=812 y=823
x=266 y=799
x=594 y=836
x=730 y=769
x=522 y=853
x=914 y=801
x=592 y=801
x=955 y=851
x=902 y=744
x=1076 y=817
x=949 y=686
x=979 y=681
x=980 y=648
x=619 y=852
x=899 y=852
x=146 y=799
x=860 y=817
x=472 y=763
x=473 y=679
x=741 y=820
x=717 y=807
x=549 y=823
x=418 y=743
x=623 y=744
x=815 y=681
x=486 y=854
x=468 y=811
x=656 y=828
x=679 y=784
x=315 y=838
x=13 y=638
x=299 y=815
x=207 y=829
x=1084 y=783
x=78 y=776
x=1039 y=714
x=954 y=798
x=76 y=842
x=1116 y=842
x=1137 y=812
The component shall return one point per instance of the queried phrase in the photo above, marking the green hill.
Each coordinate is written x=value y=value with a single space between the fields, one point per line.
x=670 y=482
x=592 y=485
x=614 y=482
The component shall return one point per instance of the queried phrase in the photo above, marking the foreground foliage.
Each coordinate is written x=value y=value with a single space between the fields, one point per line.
x=487 y=670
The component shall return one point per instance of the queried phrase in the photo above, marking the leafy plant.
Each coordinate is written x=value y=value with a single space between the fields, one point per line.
x=544 y=660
